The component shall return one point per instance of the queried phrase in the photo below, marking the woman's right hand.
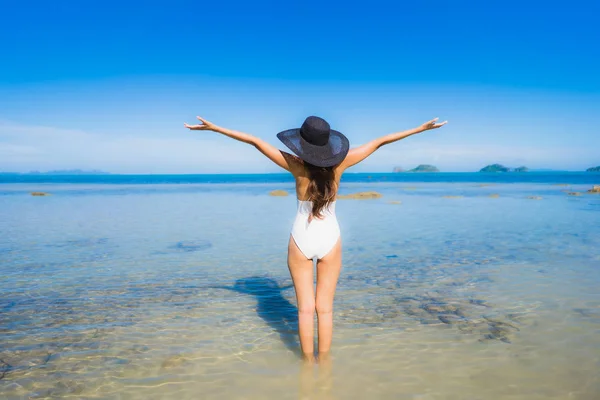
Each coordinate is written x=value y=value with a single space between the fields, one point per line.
x=431 y=125
x=204 y=126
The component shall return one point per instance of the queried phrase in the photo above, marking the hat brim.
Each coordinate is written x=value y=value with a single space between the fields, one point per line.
x=328 y=155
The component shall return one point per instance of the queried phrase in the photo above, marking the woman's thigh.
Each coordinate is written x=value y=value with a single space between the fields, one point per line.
x=328 y=272
x=301 y=269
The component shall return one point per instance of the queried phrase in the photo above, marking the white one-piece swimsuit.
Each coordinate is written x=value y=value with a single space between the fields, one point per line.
x=315 y=237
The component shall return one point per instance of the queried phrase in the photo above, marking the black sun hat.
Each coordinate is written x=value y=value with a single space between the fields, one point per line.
x=316 y=143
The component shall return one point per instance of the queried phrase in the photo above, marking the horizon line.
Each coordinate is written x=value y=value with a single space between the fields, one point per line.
x=91 y=173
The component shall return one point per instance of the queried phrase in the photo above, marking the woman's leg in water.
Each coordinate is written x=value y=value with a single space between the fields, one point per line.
x=328 y=272
x=301 y=270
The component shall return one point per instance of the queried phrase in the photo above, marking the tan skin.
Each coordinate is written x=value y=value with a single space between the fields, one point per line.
x=328 y=267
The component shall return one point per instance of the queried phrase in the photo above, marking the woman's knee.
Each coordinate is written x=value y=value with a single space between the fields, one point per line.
x=324 y=307
x=306 y=308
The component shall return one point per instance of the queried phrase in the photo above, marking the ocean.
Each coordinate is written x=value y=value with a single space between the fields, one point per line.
x=453 y=286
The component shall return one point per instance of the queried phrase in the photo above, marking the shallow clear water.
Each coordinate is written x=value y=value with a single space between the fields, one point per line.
x=182 y=290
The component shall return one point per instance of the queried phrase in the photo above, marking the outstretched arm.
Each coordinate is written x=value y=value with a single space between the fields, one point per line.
x=358 y=154
x=284 y=160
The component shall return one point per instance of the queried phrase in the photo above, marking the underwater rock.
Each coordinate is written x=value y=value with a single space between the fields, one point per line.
x=189 y=246
x=494 y=195
x=452 y=197
x=85 y=242
x=478 y=302
x=67 y=386
x=40 y=194
x=361 y=195
x=574 y=193
x=459 y=313
x=395 y=202
x=588 y=313
x=4 y=368
x=594 y=189
x=441 y=308
x=450 y=319
x=534 y=197
x=278 y=193
x=495 y=322
x=173 y=361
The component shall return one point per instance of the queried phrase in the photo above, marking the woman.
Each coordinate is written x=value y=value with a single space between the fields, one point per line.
x=321 y=156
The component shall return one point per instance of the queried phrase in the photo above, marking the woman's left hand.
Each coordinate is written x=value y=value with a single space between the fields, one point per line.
x=204 y=126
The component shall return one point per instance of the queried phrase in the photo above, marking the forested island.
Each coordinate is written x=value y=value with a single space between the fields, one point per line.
x=419 y=168
x=593 y=169
x=502 y=168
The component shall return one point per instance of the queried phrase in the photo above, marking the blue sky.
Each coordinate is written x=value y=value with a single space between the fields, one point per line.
x=109 y=85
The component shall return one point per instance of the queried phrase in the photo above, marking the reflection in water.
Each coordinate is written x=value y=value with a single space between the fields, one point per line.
x=322 y=387
x=272 y=307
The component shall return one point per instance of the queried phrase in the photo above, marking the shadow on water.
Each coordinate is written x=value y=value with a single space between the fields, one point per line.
x=272 y=307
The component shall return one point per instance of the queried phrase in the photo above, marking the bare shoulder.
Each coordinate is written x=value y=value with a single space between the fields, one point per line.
x=295 y=163
x=341 y=167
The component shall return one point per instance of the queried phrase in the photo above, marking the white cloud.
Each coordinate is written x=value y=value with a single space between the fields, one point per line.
x=24 y=148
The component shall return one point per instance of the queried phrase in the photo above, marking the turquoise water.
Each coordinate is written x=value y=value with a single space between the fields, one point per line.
x=120 y=287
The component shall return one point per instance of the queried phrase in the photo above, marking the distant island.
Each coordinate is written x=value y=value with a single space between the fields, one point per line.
x=593 y=169
x=419 y=168
x=494 y=168
x=59 y=172
x=502 y=168
x=424 y=168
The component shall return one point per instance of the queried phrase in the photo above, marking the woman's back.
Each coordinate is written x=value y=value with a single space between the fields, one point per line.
x=303 y=179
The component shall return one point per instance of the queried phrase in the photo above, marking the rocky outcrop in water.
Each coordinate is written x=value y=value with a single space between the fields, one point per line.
x=278 y=193
x=361 y=195
x=398 y=169
x=594 y=189
x=40 y=194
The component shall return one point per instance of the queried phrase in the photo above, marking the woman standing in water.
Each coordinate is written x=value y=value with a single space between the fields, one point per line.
x=321 y=157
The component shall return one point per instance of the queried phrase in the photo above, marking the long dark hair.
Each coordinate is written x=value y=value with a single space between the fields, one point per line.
x=322 y=188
